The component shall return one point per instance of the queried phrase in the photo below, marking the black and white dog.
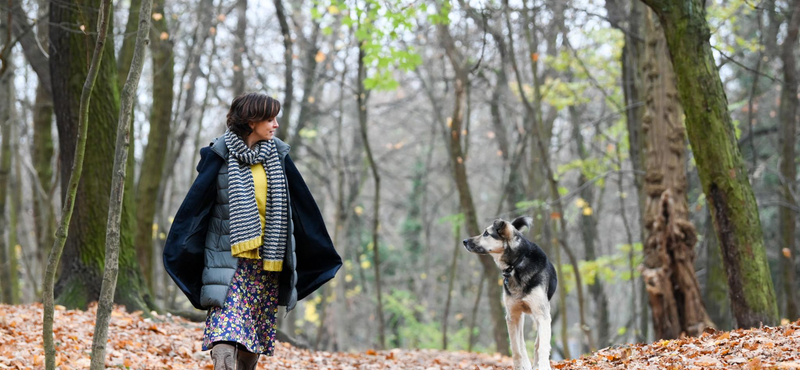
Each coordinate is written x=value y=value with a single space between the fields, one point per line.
x=529 y=283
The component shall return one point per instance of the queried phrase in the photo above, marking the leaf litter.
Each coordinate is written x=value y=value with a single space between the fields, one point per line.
x=171 y=342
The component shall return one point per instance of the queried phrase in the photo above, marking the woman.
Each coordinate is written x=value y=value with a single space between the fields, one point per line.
x=248 y=236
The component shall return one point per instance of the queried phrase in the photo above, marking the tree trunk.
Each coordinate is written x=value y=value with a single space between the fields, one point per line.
x=632 y=59
x=239 y=47
x=715 y=286
x=42 y=148
x=6 y=104
x=719 y=162
x=288 y=78
x=672 y=286
x=125 y=55
x=457 y=162
x=14 y=212
x=451 y=278
x=111 y=270
x=589 y=235
x=362 y=120
x=154 y=159
x=83 y=253
x=78 y=147
x=42 y=151
x=471 y=340
x=307 y=105
x=788 y=117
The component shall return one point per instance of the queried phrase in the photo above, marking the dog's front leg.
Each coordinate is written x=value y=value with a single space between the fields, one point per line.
x=543 y=339
x=519 y=354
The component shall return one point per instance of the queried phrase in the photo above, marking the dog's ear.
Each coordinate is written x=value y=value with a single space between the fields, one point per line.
x=522 y=221
x=501 y=227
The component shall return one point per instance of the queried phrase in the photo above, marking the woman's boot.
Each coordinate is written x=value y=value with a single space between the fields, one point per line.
x=223 y=356
x=247 y=361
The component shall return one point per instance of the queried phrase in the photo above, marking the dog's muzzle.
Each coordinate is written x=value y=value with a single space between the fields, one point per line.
x=472 y=249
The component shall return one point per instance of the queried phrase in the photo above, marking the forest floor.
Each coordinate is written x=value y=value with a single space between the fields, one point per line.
x=166 y=342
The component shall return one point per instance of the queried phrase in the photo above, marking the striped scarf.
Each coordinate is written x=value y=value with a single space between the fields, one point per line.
x=245 y=225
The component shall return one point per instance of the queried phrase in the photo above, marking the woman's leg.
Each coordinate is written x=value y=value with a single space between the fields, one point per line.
x=224 y=356
x=247 y=360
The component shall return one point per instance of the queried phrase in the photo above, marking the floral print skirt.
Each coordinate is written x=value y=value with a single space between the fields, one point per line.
x=249 y=312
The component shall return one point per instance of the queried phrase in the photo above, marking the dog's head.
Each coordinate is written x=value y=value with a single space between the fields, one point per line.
x=498 y=236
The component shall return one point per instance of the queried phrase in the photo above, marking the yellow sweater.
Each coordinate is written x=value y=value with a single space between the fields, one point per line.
x=260 y=184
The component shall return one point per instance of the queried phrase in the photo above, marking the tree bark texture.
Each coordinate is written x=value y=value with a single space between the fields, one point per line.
x=83 y=253
x=672 y=286
x=719 y=162
x=788 y=167
x=715 y=285
x=111 y=270
x=154 y=158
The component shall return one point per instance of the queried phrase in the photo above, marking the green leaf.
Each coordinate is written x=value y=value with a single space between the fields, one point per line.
x=370 y=83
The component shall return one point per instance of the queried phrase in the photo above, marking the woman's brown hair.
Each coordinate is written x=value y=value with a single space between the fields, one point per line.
x=248 y=108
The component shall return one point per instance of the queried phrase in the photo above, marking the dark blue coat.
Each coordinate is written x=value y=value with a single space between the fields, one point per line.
x=317 y=260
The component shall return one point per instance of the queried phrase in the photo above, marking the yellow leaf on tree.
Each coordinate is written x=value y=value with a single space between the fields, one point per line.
x=580 y=203
x=157 y=16
x=587 y=211
x=320 y=57
x=333 y=9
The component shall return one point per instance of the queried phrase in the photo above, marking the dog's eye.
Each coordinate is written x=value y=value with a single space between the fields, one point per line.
x=485 y=233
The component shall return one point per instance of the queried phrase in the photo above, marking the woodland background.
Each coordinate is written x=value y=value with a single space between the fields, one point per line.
x=416 y=124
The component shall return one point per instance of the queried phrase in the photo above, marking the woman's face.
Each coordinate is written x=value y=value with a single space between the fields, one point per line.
x=264 y=130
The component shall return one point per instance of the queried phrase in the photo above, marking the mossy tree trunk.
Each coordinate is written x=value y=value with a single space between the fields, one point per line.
x=43 y=150
x=719 y=162
x=672 y=286
x=83 y=256
x=122 y=142
x=154 y=158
